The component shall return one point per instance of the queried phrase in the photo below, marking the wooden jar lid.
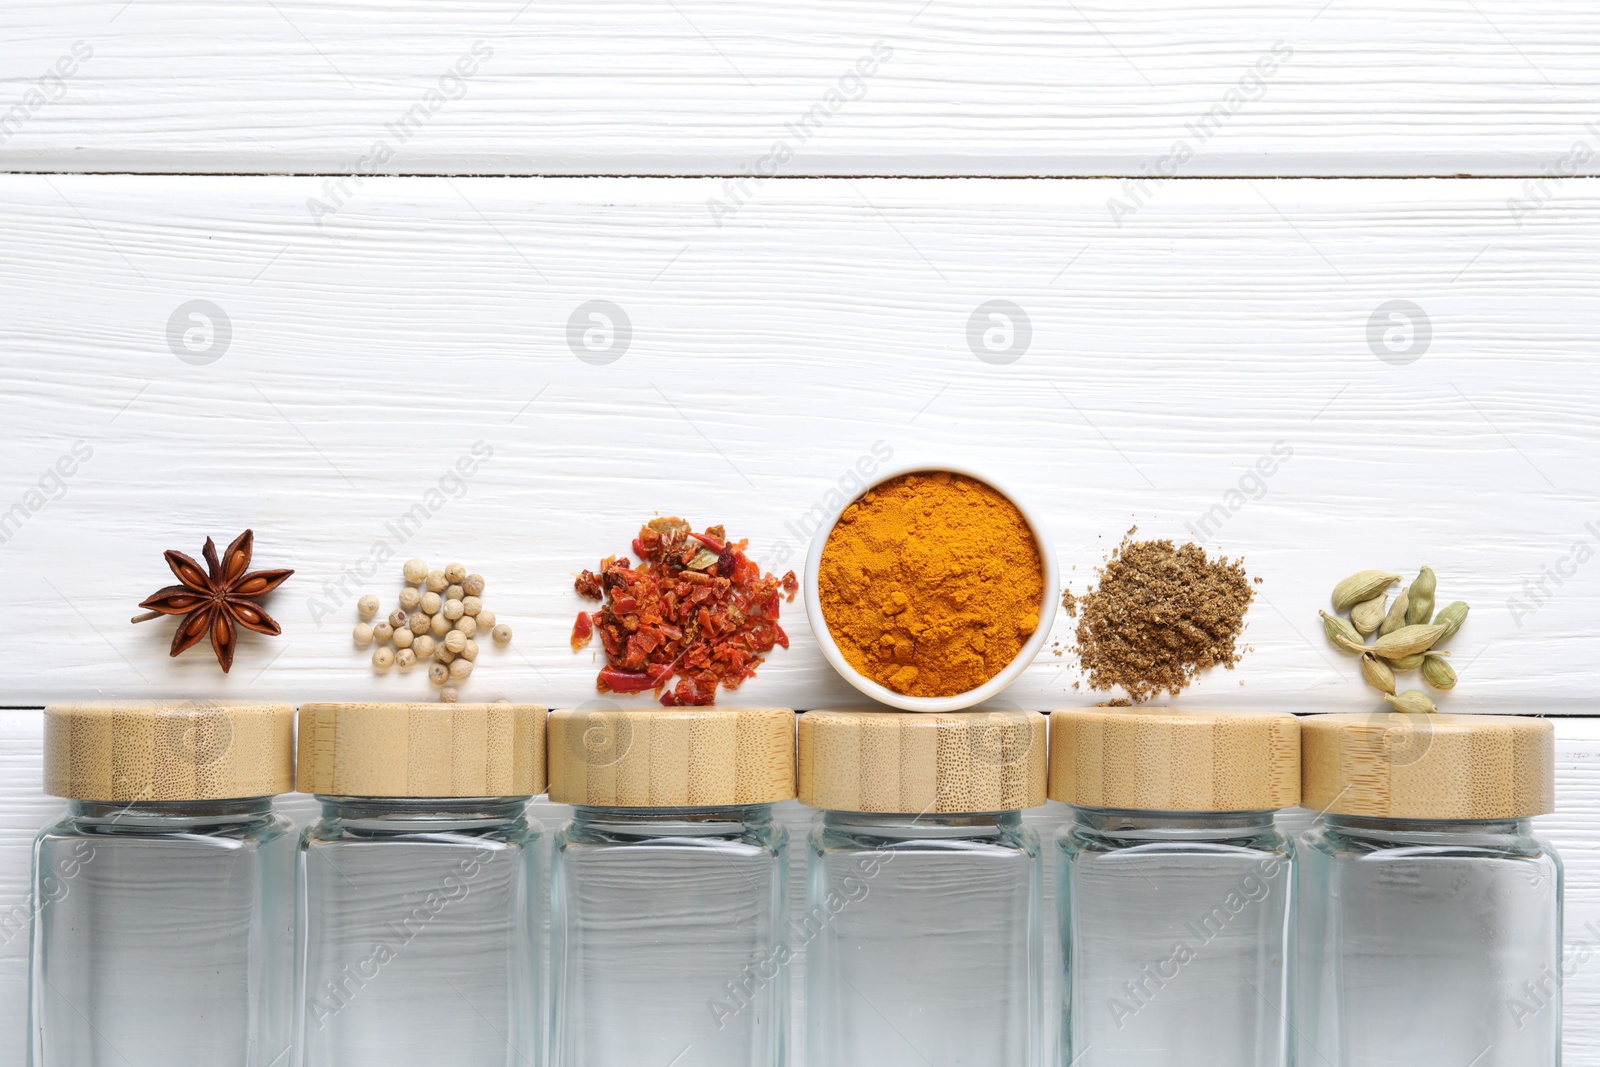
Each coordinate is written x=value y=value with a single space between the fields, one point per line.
x=422 y=750
x=1171 y=759
x=1394 y=766
x=173 y=751
x=671 y=757
x=918 y=763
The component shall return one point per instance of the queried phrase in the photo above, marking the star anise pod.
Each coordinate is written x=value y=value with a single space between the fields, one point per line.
x=218 y=599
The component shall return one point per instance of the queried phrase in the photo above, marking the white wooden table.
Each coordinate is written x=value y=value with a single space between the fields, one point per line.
x=1362 y=235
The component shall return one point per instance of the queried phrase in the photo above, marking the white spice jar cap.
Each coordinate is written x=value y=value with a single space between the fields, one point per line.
x=168 y=751
x=1172 y=759
x=898 y=762
x=422 y=750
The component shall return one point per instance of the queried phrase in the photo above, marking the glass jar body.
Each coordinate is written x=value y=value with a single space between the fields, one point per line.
x=1429 y=941
x=419 y=934
x=1175 y=939
x=163 y=932
x=667 y=939
x=922 y=936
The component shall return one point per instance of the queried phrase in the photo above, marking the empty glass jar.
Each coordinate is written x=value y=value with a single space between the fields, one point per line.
x=420 y=886
x=922 y=917
x=1174 y=887
x=668 y=887
x=164 y=909
x=1431 y=912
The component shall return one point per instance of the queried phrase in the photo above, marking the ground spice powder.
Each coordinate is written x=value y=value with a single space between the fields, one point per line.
x=1159 y=616
x=931 y=583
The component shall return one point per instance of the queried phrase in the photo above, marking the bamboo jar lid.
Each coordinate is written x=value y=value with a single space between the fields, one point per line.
x=671 y=757
x=174 y=751
x=1171 y=759
x=921 y=763
x=1394 y=766
x=422 y=750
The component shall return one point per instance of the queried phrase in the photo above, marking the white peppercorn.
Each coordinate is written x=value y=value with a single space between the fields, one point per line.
x=438 y=673
x=453 y=593
x=470 y=651
x=439 y=625
x=452 y=610
x=403 y=637
x=410 y=599
x=449 y=695
x=473 y=584
x=461 y=670
x=420 y=623
x=431 y=603
x=467 y=625
x=362 y=634
x=397 y=618
x=367 y=606
x=455 y=572
x=382 y=632
x=415 y=570
x=501 y=634
x=485 y=620
x=436 y=581
x=471 y=605
x=405 y=659
x=455 y=640
x=423 y=646
x=383 y=659
x=444 y=654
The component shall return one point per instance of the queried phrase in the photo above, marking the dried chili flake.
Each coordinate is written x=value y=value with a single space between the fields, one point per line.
x=588 y=586
x=582 y=630
x=696 y=607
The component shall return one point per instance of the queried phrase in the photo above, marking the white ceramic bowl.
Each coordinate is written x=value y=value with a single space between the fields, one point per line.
x=986 y=691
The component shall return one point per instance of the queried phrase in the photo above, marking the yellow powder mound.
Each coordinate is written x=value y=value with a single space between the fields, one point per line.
x=931 y=583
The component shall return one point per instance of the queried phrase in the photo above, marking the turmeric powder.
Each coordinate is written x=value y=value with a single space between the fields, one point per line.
x=931 y=583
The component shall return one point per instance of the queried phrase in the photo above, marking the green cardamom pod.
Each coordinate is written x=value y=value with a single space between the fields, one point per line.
x=1396 y=617
x=1376 y=673
x=1407 y=663
x=1451 y=616
x=1420 y=609
x=1366 y=615
x=1360 y=586
x=1437 y=672
x=1413 y=702
x=1342 y=634
x=1406 y=640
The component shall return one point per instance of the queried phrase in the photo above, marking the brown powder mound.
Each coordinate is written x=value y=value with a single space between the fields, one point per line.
x=1160 y=616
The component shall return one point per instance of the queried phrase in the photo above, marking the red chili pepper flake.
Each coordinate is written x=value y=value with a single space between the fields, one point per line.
x=582 y=631
x=615 y=681
x=714 y=544
x=696 y=607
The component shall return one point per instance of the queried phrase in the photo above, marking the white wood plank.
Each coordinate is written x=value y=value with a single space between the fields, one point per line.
x=1574 y=830
x=1093 y=87
x=767 y=358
